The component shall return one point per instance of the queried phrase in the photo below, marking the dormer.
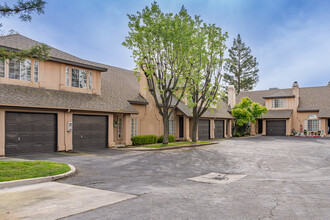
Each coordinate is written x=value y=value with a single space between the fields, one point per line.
x=280 y=99
x=61 y=71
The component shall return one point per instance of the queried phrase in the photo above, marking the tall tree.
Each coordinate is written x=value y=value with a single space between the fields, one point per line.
x=241 y=68
x=204 y=87
x=24 y=9
x=161 y=45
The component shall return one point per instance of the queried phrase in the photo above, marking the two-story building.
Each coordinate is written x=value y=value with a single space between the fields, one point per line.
x=67 y=103
x=290 y=109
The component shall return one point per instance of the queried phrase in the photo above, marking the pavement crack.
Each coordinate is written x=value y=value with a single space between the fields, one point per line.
x=271 y=214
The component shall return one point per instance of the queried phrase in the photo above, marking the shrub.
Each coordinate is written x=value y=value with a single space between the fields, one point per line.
x=171 y=138
x=144 y=139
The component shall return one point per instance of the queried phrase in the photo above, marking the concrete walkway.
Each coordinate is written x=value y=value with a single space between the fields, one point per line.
x=53 y=200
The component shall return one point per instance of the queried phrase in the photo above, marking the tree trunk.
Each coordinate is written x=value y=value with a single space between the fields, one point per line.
x=195 y=130
x=166 y=129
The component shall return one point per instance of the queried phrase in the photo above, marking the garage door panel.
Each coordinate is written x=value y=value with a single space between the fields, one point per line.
x=203 y=129
x=275 y=127
x=219 y=129
x=30 y=133
x=90 y=132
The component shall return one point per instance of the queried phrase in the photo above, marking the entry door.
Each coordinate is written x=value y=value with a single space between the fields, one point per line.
x=275 y=127
x=219 y=129
x=181 y=127
x=259 y=126
x=90 y=132
x=30 y=133
x=203 y=129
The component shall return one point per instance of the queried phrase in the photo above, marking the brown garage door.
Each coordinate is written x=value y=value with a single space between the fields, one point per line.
x=275 y=127
x=90 y=132
x=28 y=133
x=203 y=129
x=219 y=129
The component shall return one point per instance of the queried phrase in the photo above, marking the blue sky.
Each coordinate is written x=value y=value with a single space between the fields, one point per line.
x=290 y=38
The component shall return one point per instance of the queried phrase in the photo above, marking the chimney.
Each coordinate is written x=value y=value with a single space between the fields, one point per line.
x=143 y=85
x=231 y=96
x=295 y=92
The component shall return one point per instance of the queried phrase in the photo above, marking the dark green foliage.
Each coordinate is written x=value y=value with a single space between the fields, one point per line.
x=23 y=8
x=144 y=139
x=171 y=138
x=241 y=68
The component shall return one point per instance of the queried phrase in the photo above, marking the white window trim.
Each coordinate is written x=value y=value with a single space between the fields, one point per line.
x=4 y=69
x=34 y=71
x=20 y=70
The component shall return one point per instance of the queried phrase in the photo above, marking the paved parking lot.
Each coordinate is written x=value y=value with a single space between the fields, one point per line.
x=287 y=178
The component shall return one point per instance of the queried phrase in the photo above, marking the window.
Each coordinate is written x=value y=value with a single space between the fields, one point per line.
x=36 y=71
x=20 y=69
x=312 y=125
x=278 y=103
x=83 y=79
x=90 y=80
x=119 y=128
x=2 y=68
x=67 y=76
x=133 y=127
x=79 y=78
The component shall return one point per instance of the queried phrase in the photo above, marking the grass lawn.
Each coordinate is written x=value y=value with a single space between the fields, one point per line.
x=16 y=170
x=174 y=144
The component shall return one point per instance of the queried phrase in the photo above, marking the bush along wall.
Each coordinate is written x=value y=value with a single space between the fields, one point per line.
x=144 y=139
x=171 y=138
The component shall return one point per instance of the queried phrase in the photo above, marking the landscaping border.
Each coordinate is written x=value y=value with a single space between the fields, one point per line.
x=165 y=148
x=22 y=182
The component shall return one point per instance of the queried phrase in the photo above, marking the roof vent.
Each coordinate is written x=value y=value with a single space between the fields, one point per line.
x=295 y=84
x=274 y=88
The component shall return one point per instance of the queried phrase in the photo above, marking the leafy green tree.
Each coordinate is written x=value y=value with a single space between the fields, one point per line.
x=241 y=68
x=24 y=9
x=161 y=45
x=207 y=59
x=247 y=111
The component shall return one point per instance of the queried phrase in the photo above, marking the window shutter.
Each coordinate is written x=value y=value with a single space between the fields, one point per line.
x=320 y=125
x=135 y=127
x=305 y=128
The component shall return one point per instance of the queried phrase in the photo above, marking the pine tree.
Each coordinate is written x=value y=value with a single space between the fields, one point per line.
x=241 y=68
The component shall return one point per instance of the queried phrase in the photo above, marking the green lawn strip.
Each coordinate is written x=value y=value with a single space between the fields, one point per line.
x=16 y=170
x=174 y=144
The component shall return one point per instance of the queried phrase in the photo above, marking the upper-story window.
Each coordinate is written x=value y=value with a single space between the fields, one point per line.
x=36 y=71
x=278 y=103
x=67 y=76
x=20 y=69
x=90 y=80
x=2 y=68
x=79 y=78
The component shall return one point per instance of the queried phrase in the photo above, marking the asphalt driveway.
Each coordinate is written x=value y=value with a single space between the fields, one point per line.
x=287 y=178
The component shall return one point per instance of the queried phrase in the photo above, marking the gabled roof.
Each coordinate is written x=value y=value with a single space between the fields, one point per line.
x=311 y=99
x=258 y=96
x=220 y=112
x=315 y=98
x=277 y=114
x=19 y=42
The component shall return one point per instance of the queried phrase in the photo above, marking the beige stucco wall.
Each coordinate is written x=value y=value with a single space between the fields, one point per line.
x=52 y=76
x=290 y=104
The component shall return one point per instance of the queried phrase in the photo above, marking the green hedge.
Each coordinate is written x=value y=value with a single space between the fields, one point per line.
x=144 y=139
x=171 y=138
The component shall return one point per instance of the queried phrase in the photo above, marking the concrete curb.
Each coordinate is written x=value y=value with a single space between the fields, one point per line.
x=23 y=182
x=165 y=148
